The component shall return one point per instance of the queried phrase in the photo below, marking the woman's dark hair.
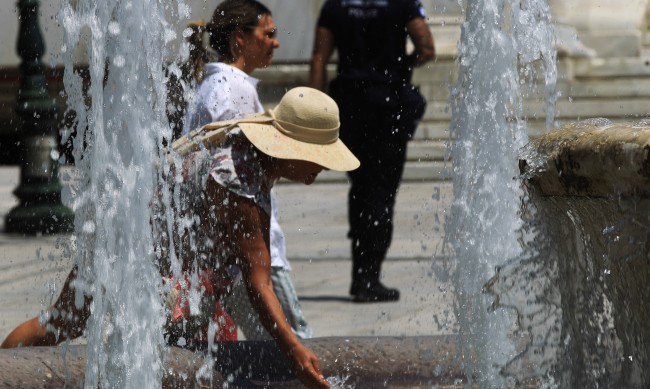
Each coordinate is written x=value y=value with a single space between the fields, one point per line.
x=228 y=17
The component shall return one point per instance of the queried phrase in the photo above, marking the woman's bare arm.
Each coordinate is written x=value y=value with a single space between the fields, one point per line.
x=68 y=322
x=249 y=232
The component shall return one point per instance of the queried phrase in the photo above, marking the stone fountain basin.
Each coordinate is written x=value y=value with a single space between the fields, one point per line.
x=362 y=362
x=590 y=183
x=594 y=158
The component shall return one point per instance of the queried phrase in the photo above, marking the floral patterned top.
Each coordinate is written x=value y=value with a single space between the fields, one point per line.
x=234 y=165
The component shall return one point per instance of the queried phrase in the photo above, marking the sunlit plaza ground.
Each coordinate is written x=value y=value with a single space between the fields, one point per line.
x=314 y=220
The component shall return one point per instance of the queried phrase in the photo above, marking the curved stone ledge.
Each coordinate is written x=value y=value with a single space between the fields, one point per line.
x=587 y=210
x=364 y=362
x=594 y=158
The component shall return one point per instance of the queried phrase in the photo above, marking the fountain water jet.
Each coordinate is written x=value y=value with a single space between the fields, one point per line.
x=498 y=39
x=116 y=152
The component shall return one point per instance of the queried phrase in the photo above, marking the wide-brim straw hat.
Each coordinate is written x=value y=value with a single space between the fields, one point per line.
x=303 y=126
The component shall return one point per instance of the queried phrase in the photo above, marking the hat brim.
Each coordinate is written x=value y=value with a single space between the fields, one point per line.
x=270 y=141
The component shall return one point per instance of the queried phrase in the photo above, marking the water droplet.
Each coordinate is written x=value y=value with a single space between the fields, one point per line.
x=119 y=60
x=114 y=28
x=88 y=227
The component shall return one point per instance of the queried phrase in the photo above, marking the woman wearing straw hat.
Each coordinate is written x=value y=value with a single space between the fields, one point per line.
x=228 y=170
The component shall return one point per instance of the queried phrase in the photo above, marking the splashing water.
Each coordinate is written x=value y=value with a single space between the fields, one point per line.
x=339 y=382
x=500 y=41
x=120 y=136
x=580 y=288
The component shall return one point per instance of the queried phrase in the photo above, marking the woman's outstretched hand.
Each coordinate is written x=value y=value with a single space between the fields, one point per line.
x=308 y=369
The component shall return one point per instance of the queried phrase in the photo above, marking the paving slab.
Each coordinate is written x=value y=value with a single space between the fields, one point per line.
x=314 y=219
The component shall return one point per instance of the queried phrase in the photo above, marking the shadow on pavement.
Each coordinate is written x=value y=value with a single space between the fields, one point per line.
x=326 y=298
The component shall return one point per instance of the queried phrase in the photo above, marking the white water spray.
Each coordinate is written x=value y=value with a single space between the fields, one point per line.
x=116 y=150
x=500 y=38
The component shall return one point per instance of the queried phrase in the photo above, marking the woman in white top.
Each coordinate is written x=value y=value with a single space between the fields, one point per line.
x=244 y=36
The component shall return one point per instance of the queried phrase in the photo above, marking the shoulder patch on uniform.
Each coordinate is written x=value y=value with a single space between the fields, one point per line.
x=423 y=13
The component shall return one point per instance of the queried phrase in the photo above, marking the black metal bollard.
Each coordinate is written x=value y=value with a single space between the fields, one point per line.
x=40 y=209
